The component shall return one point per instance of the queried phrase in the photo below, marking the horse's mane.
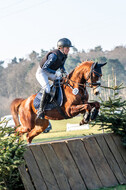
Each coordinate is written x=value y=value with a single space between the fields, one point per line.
x=79 y=66
x=70 y=74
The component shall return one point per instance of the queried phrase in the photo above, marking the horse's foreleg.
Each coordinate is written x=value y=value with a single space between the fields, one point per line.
x=95 y=106
x=84 y=108
x=76 y=109
x=95 y=109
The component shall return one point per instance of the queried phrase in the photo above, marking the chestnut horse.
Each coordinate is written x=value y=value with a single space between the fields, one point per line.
x=75 y=101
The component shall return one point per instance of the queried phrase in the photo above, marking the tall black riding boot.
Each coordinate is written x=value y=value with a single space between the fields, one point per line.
x=43 y=102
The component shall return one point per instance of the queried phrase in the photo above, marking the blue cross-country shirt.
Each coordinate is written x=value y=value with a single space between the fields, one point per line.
x=50 y=64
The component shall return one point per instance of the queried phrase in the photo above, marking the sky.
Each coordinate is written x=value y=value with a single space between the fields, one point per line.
x=27 y=25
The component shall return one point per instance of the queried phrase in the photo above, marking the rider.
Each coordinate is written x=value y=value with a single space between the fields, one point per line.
x=48 y=70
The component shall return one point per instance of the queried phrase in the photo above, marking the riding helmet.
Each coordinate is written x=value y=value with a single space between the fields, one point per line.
x=64 y=42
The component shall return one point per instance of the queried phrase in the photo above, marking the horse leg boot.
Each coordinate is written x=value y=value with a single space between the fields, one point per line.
x=86 y=116
x=43 y=102
x=95 y=110
x=94 y=113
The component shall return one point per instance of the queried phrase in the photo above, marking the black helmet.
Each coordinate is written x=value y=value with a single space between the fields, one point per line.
x=64 y=42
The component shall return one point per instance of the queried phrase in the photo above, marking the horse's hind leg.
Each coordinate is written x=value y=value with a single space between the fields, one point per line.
x=21 y=130
x=40 y=126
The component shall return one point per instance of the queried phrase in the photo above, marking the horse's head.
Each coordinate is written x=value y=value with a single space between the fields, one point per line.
x=87 y=73
x=93 y=77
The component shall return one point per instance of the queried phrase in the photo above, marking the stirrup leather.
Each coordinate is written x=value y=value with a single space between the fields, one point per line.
x=40 y=114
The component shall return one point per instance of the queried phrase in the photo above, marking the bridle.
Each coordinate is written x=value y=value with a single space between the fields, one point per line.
x=87 y=84
x=91 y=84
x=81 y=86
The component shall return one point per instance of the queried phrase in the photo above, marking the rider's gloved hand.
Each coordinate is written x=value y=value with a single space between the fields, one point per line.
x=65 y=72
x=58 y=74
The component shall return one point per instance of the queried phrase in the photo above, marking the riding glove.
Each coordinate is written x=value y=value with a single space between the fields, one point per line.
x=58 y=74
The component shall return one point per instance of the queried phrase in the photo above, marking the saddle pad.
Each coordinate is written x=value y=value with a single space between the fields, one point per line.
x=51 y=105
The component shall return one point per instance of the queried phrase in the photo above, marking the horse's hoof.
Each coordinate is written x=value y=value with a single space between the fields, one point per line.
x=86 y=117
x=82 y=122
x=94 y=113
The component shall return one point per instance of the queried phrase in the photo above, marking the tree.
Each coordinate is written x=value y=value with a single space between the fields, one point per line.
x=102 y=59
x=114 y=69
x=14 y=60
x=113 y=114
x=71 y=62
x=11 y=156
x=33 y=55
x=52 y=48
x=1 y=67
x=98 y=48
x=1 y=63
x=21 y=59
x=75 y=50
x=83 y=51
x=43 y=53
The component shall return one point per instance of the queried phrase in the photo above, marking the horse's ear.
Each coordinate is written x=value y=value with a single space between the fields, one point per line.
x=94 y=65
x=102 y=64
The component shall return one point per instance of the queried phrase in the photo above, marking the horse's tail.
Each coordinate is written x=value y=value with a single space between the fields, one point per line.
x=15 y=108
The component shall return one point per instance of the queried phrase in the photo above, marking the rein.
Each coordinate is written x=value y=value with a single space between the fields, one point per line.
x=66 y=81
x=83 y=86
x=89 y=77
x=88 y=84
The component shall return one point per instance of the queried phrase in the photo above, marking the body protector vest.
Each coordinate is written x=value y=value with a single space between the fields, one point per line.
x=59 y=61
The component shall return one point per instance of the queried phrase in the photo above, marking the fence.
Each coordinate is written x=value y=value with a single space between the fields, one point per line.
x=75 y=164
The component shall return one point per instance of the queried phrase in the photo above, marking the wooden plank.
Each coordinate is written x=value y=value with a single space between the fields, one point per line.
x=110 y=159
x=56 y=167
x=103 y=170
x=25 y=178
x=70 y=168
x=44 y=168
x=116 y=153
x=121 y=148
x=34 y=170
x=84 y=164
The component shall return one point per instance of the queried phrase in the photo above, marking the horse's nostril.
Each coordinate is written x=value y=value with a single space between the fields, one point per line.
x=97 y=90
x=96 y=93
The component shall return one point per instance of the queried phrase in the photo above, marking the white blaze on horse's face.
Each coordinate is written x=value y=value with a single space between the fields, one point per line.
x=97 y=89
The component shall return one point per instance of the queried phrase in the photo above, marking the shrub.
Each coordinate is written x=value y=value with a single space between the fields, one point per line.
x=113 y=113
x=11 y=156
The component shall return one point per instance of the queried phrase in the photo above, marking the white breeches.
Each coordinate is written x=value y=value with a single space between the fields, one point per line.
x=43 y=78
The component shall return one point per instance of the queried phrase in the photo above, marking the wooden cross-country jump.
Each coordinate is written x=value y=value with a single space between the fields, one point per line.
x=75 y=164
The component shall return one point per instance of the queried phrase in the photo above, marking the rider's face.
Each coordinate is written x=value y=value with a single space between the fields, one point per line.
x=65 y=50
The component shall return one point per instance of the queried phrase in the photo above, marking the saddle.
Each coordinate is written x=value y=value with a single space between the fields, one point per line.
x=55 y=99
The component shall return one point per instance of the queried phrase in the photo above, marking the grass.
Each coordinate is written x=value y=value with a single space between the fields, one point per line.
x=119 y=187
